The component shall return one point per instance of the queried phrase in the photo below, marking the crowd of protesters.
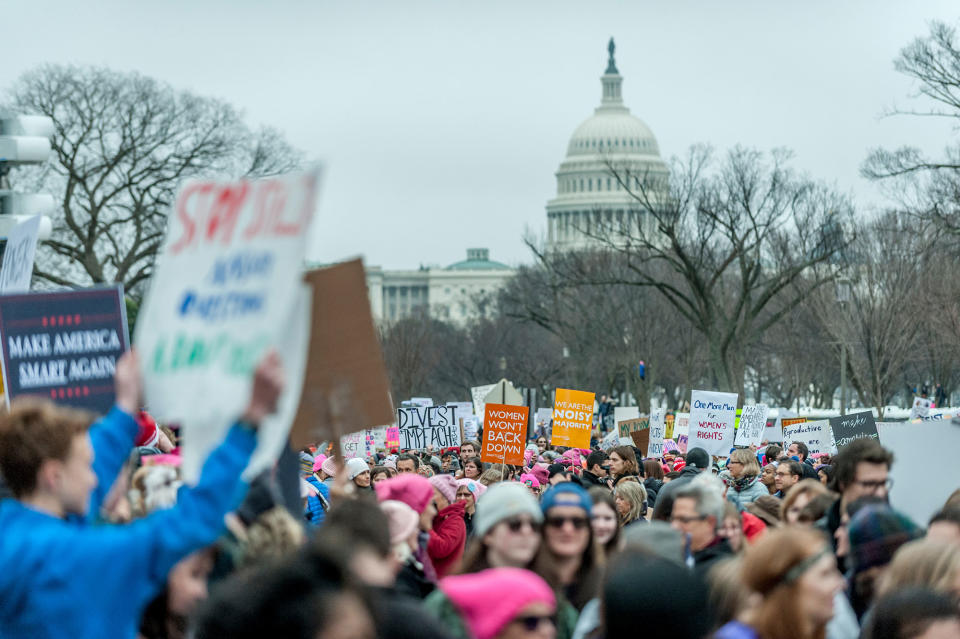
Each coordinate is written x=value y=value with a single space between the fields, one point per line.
x=100 y=539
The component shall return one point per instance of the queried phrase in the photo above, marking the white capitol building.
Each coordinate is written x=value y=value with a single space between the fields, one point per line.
x=589 y=199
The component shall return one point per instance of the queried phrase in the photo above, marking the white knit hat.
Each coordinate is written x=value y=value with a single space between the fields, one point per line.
x=356 y=466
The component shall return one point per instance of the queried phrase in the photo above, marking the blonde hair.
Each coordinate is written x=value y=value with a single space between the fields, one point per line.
x=751 y=467
x=924 y=562
x=636 y=495
x=273 y=535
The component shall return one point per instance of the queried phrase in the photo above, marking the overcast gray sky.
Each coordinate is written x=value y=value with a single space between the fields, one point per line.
x=441 y=123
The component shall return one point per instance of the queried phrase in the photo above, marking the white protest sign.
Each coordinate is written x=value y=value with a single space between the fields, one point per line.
x=228 y=286
x=478 y=394
x=681 y=425
x=816 y=435
x=774 y=434
x=753 y=422
x=543 y=417
x=420 y=401
x=611 y=440
x=925 y=471
x=375 y=438
x=352 y=445
x=658 y=428
x=622 y=414
x=920 y=409
x=471 y=427
x=712 y=416
x=464 y=409
x=421 y=427
x=18 y=256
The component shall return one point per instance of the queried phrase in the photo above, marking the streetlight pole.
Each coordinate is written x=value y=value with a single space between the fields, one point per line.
x=843 y=297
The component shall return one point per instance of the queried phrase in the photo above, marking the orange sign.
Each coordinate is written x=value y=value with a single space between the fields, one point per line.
x=572 y=418
x=504 y=430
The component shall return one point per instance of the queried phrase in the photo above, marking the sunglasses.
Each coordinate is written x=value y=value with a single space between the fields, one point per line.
x=531 y=623
x=579 y=523
x=516 y=525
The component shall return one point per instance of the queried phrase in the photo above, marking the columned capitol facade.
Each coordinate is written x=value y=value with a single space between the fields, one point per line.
x=610 y=155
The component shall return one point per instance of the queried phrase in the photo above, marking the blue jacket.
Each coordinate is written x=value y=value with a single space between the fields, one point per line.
x=68 y=578
x=316 y=509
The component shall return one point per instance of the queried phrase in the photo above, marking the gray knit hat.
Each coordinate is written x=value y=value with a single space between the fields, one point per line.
x=503 y=501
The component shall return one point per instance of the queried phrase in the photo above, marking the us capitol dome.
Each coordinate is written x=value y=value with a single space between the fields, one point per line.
x=610 y=144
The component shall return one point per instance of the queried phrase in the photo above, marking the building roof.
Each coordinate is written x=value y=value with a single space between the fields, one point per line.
x=478 y=259
x=612 y=128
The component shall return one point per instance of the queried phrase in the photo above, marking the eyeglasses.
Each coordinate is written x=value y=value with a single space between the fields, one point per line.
x=732 y=462
x=686 y=520
x=579 y=523
x=516 y=525
x=532 y=622
x=873 y=486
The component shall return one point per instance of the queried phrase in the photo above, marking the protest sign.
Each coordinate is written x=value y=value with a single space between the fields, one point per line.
x=658 y=427
x=641 y=438
x=681 y=425
x=227 y=288
x=774 y=434
x=816 y=435
x=847 y=428
x=572 y=418
x=622 y=414
x=668 y=433
x=375 y=438
x=921 y=407
x=64 y=345
x=711 y=421
x=627 y=429
x=543 y=417
x=503 y=392
x=753 y=422
x=427 y=426
x=345 y=387
x=18 y=256
x=612 y=440
x=504 y=433
x=393 y=438
x=923 y=475
x=682 y=443
x=419 y=401
x=471 y=427
x=464 y=409
x=478 y=394
x=670 y=446
x=352 y=445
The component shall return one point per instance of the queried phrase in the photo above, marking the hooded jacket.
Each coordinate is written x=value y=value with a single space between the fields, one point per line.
x=447 y=539
x=68 y=578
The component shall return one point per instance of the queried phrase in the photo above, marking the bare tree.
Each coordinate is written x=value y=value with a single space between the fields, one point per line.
x=929 y=187
x=123 y=143
x=731 y=247
x=882 y=321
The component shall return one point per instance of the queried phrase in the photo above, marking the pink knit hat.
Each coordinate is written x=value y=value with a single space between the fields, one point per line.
x=447 y=486
x=479 y=597
x=541 y=473
x=531 y=481
x=413 y=490
x=318 y=461
x=401 y=518
x=475 y=487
